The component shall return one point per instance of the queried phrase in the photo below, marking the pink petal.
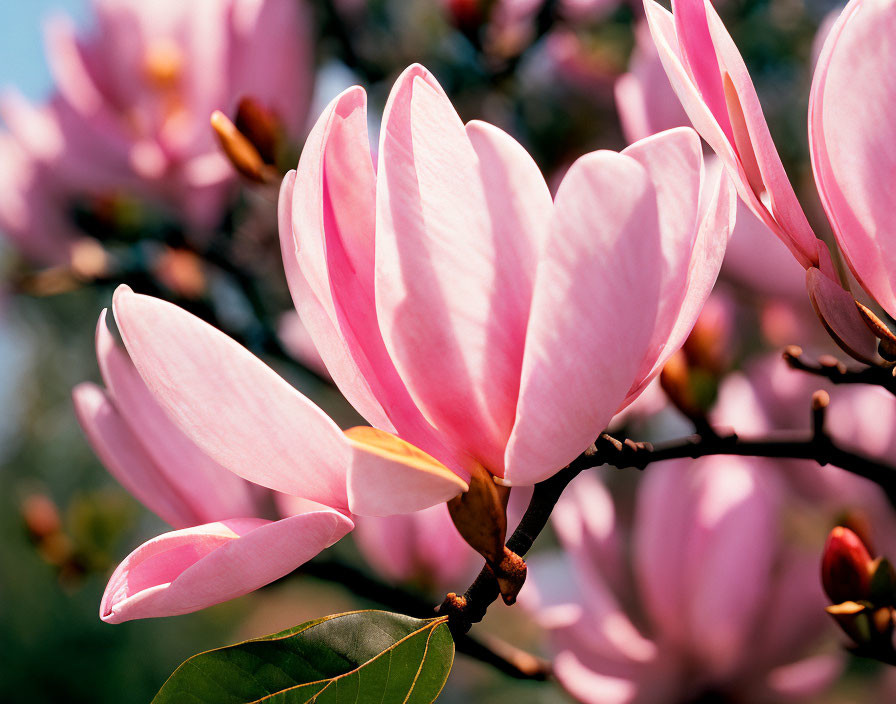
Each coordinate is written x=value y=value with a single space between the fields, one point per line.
x=333 y=225
x=311 y=214
x=696 y=219
x=388 y=476
x=633 y=241
x=459 y=216
x=852 y=141
x=213 y=492
x=659 y=542
x=232 y=405
x=585 y=523
x=838 y=313
x=728 y=560
x=126 y=459
x=187 y=570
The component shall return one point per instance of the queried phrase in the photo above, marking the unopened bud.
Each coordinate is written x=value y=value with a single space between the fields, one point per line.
x=887 y=340
x=708 y=345
x=242 y=153
x=846 y=567
x=835 y=307
x=675 y=379
x=260 y=126
x=467 y=15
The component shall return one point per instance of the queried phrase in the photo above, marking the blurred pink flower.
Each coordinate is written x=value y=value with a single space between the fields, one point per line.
x=298 y=343
x=423 y=548
x=645 y=100
x=769 y=396
x=132 y=106
x=459 y=338
x=708 y=602
x=851 y=154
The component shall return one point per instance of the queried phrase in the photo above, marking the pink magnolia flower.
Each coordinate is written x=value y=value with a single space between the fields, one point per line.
x=710 y=601
x=232 y=551
x=133 y=101
x=465 y=349
x=710 y=78
x=455 y=305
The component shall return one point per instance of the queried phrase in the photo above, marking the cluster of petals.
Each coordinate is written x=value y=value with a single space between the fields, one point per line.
x=697 y=596
x=130 y=112
x=221 y=547
x=457 y=306
x=851 y=151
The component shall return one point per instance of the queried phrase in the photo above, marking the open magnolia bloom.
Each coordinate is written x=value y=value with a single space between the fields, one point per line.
x=457 y=306
x=851 y=153
x=480 y=327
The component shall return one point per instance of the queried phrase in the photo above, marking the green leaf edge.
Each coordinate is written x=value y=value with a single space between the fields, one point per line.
x=431 y=624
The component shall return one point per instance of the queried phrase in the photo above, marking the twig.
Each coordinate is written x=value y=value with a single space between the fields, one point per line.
x=835 y=371
x=818 y=446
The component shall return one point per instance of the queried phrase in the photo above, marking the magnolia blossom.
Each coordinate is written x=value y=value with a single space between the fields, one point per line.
x=446 y=292
x=851 y=154
x=708 y=601
x=130 y=115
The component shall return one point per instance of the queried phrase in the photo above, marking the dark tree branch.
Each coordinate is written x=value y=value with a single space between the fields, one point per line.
x=835 y=371
x=817 y=446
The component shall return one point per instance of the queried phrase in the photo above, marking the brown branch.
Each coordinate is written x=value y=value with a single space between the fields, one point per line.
x=830 y=368
x=817 y=446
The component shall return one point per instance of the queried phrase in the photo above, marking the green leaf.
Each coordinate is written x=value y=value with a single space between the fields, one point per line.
x=351 y=658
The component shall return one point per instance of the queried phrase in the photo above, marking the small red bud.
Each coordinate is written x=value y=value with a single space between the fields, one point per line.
x=846 y=567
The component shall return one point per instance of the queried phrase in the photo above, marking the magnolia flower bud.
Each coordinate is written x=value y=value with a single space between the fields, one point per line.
x=846 y=567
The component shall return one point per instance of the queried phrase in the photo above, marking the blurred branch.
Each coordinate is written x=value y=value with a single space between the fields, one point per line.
x=504 y=657
x=835 y=371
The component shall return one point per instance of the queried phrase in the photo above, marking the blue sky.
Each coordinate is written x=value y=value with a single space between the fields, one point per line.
x=22 y=60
